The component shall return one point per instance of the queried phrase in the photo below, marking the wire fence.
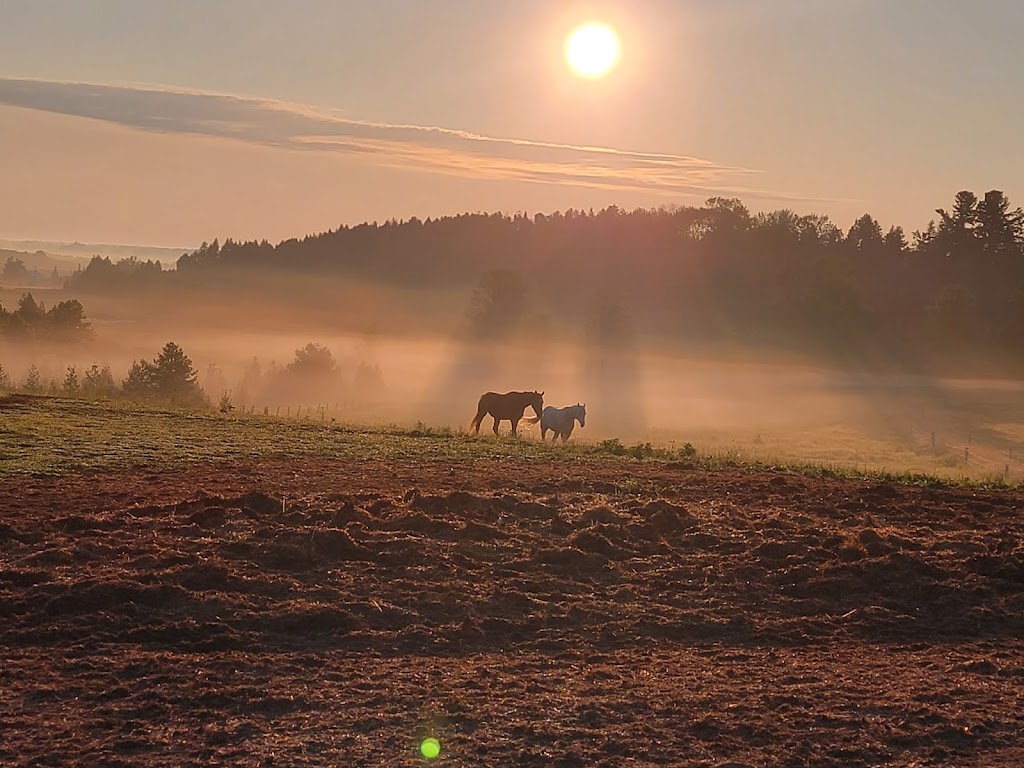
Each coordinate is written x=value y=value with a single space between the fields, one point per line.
x=1007 y=462
x=315 y=412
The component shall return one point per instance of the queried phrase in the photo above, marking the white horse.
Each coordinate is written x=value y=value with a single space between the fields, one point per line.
x=560 y=421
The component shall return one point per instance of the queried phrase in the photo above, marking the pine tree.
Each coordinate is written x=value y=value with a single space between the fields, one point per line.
x=99 y=382
x=999 y=229
x=171 y=377
x=33 y=382
x=71 y=385
x=865 y=234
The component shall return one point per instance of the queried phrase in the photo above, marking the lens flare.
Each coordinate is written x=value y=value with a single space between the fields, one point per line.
x=430 y=748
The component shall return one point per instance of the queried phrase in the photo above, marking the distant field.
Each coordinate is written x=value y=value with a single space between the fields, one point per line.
x=897 y=425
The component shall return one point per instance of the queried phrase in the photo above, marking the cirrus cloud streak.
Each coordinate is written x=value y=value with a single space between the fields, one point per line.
x=411 y=147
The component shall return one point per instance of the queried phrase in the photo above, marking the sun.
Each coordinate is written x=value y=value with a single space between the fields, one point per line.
x=592 y=49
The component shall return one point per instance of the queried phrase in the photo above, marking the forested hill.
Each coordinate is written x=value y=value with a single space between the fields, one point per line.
x=715 y=270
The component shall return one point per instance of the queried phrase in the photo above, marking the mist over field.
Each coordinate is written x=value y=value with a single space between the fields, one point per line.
x=707 y=326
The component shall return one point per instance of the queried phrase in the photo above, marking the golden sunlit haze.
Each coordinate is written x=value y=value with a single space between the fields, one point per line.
x=592 y=49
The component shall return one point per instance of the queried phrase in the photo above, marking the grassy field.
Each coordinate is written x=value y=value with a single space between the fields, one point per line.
x=54 y=436
x=916 y=427
x=44 y=435
x=846 y=448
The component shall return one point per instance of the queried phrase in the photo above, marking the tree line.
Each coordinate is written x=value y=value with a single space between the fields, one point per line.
x=15 y=272
x=169 y=378
x=63 y=322
x=172 y=378
x=717 y=272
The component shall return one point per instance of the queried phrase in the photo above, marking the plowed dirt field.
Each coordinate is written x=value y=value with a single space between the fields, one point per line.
x=311 y=612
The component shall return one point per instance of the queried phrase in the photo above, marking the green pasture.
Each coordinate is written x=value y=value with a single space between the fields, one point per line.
x=54 y=436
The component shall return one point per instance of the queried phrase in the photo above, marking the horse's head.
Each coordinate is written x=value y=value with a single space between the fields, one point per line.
x=537 y=402
x=581 y=414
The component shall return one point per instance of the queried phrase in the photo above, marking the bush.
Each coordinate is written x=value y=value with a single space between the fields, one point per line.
x=641 y=451
x=612 y=446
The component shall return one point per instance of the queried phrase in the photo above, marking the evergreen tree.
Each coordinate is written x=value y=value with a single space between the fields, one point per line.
x=15 y=270
x=312 y=360
x=33 y=382
x=895 y=241
x=928 y=240
x=71 y=385
x=31 y=313
x=999 y=229
x=141 y=380
x=176 y=377
x=865 y=234
x=170 y=377
x=957 y=229
x=99 y=382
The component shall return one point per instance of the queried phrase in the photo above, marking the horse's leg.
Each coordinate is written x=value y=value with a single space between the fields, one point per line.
x=515 y=421
x=495 y=425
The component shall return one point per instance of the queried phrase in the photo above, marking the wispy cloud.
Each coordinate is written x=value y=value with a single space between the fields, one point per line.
x=414 y=147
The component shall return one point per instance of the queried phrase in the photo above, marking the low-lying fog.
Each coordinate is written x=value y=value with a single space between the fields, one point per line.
x=635 y=388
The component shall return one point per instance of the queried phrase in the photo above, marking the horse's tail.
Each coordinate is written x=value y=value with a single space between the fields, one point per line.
x=532 y=420
x=481 y=411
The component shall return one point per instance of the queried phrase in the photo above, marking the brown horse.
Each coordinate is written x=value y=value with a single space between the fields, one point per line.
x=509 y=406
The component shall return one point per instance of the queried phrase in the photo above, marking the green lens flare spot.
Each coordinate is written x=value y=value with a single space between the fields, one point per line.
x=430 y=748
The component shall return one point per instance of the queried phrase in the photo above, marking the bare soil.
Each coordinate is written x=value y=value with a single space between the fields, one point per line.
x=565 y=614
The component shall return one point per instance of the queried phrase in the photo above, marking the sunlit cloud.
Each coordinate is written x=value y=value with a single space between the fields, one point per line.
x=411 y=147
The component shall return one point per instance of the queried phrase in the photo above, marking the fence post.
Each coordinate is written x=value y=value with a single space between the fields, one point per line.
x=966 y=453
x=1006 y=472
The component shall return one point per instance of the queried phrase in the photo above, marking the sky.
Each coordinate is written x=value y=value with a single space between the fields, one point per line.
x=171 y=122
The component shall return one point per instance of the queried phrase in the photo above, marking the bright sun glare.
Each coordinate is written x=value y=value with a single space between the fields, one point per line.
x=592 y=49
